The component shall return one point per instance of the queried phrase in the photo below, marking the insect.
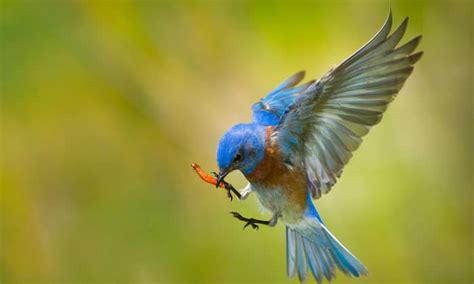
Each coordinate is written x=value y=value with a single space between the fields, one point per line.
x=300 y=139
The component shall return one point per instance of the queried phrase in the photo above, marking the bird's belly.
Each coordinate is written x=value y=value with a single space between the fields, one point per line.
x=280 y=189
x=280 y=200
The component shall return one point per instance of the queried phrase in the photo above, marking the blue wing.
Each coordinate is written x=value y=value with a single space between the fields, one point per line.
x=326 y=123
x=269 y=110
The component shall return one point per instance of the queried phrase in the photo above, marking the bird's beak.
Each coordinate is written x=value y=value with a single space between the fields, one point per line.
x=220 y=177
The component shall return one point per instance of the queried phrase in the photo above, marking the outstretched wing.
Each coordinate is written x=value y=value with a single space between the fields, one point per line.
x=269 y=110
x=325 y=124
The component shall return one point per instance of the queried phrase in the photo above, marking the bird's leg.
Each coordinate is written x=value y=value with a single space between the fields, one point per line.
x=274 y=219
x=213 y=180
x=245 y=192
x=253 y=222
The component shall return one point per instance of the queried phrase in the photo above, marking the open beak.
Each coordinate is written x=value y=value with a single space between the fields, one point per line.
x=220 y=177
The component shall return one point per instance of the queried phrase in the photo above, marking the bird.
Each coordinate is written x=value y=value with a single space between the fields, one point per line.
x=300 y=138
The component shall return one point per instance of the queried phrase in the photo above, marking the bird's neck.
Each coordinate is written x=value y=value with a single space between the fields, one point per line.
x=269 y=164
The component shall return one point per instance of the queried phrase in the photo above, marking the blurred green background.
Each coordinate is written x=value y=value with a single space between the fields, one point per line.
x=104 y=107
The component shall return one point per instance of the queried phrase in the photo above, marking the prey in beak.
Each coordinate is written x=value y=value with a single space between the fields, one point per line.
x=217 y=180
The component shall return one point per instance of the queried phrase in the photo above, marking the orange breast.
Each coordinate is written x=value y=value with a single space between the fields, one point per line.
x=271 y=173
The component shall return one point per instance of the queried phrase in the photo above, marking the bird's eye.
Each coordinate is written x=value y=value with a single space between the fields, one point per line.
x=253 y=153
x=237 y=158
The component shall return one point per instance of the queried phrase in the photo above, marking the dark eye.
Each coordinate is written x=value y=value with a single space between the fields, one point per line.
x=237 y=158
x=253 y=153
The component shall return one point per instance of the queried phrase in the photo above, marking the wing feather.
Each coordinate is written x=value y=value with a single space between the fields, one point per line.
x=269 y=110
x=326 y=123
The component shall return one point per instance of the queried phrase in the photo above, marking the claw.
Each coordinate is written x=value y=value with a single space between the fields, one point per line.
x=248 y=221
x=229 y=194
x=236 y=215
x=252 y=224
x=226 y=186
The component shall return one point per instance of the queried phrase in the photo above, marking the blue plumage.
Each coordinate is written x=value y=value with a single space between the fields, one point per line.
x=301 y=137
x=269 y=110
x=322 y=250
x=242 y=146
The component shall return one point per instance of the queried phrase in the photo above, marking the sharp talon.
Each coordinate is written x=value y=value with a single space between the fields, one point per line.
x=251 y=224
x=248 y=221
x=229 y=195
x=236 y=215
x=255 y=227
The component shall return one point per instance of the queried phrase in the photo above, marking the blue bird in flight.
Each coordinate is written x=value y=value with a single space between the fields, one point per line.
x=302 y=136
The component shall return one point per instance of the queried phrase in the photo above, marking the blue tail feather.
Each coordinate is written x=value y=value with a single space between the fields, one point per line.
x=290 y=252
x=311 y=245
x=312 y=261
x=300 y=258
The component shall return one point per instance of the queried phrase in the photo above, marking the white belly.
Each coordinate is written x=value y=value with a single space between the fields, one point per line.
x=276 y=201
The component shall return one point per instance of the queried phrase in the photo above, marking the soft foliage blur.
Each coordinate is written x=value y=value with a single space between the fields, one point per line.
x=104 y=107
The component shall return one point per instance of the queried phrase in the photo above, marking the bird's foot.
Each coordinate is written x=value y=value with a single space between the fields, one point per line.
x=249 y=221
x=229 y=188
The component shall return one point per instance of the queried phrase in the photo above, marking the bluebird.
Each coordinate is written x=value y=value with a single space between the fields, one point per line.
x=302 y=136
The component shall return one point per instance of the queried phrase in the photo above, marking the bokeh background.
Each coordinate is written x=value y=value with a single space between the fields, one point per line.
x=105 y=105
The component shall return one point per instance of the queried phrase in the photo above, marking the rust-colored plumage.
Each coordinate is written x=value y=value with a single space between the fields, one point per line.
x=272 y=174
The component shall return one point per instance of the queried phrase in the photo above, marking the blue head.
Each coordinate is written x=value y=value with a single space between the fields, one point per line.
x=241 y=148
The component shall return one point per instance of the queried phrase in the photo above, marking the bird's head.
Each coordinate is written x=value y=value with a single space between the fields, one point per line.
x=241 y=148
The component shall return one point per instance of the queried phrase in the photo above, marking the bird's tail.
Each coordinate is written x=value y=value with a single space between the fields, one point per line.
x=310 y=245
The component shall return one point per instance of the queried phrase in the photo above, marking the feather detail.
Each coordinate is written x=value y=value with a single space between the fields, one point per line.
x=326 y=122
x=310 y=246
